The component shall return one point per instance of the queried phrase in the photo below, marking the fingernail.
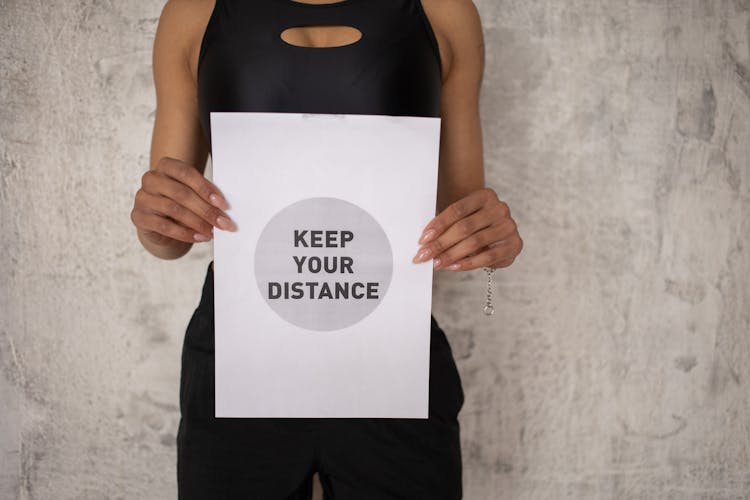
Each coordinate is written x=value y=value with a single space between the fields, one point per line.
x=436 y=263
x=200 y=237
x=218 y=201
x=225 y=223
x=454 y=267
x=421 y=255
x=426 y=236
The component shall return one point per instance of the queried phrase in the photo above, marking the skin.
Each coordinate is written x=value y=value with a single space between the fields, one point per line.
x=176 y=206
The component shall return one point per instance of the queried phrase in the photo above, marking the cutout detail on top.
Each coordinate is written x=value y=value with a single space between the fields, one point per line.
x=321 y=36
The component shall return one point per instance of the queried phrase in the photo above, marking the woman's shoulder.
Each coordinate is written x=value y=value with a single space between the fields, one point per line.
x=456 y=24
x=181 y=27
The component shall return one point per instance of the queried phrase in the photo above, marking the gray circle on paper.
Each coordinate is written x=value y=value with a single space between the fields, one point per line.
x=323 y=264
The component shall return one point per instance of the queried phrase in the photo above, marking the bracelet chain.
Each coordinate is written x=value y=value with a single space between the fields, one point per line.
x=489 y=309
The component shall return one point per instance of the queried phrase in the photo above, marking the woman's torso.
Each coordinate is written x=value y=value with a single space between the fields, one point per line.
x=244 y=65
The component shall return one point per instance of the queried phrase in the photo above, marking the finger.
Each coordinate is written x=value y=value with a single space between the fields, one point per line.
x=460 y=231
x=473 y=244
x=167 y=207
x=455 y=212
x=166 y=227
x=159 y=184
x=189 y=175
x=499 y=254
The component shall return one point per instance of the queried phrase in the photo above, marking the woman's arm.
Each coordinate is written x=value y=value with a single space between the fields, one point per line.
x=459 y=31
x=473 y=228
x=174 y=207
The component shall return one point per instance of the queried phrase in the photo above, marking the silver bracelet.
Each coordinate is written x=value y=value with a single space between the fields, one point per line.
x=489 y=309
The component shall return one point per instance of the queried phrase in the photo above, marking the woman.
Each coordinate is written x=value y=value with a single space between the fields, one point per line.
x=397 y=57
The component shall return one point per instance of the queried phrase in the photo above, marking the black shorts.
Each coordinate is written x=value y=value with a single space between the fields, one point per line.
x=275 y=458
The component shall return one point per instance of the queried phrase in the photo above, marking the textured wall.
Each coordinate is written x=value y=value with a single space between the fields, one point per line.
x=616 y=365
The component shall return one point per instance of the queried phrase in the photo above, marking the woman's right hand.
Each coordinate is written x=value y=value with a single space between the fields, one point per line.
x=177 y=203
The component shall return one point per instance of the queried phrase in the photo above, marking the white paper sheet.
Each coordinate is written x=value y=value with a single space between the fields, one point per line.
x=335 y=199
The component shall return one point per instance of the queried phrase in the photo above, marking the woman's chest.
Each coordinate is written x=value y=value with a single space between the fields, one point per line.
x=392 y=68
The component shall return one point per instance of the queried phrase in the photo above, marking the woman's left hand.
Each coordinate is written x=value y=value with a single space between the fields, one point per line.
x=475 y=231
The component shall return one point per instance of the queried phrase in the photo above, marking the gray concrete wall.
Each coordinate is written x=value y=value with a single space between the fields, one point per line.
x=616 y=365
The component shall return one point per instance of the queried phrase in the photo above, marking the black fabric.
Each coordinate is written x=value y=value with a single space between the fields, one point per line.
x=275 y=458
x=244 y=65
x=394 y=69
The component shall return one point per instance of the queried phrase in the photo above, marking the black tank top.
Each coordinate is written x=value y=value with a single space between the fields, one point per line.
x=244 y=65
